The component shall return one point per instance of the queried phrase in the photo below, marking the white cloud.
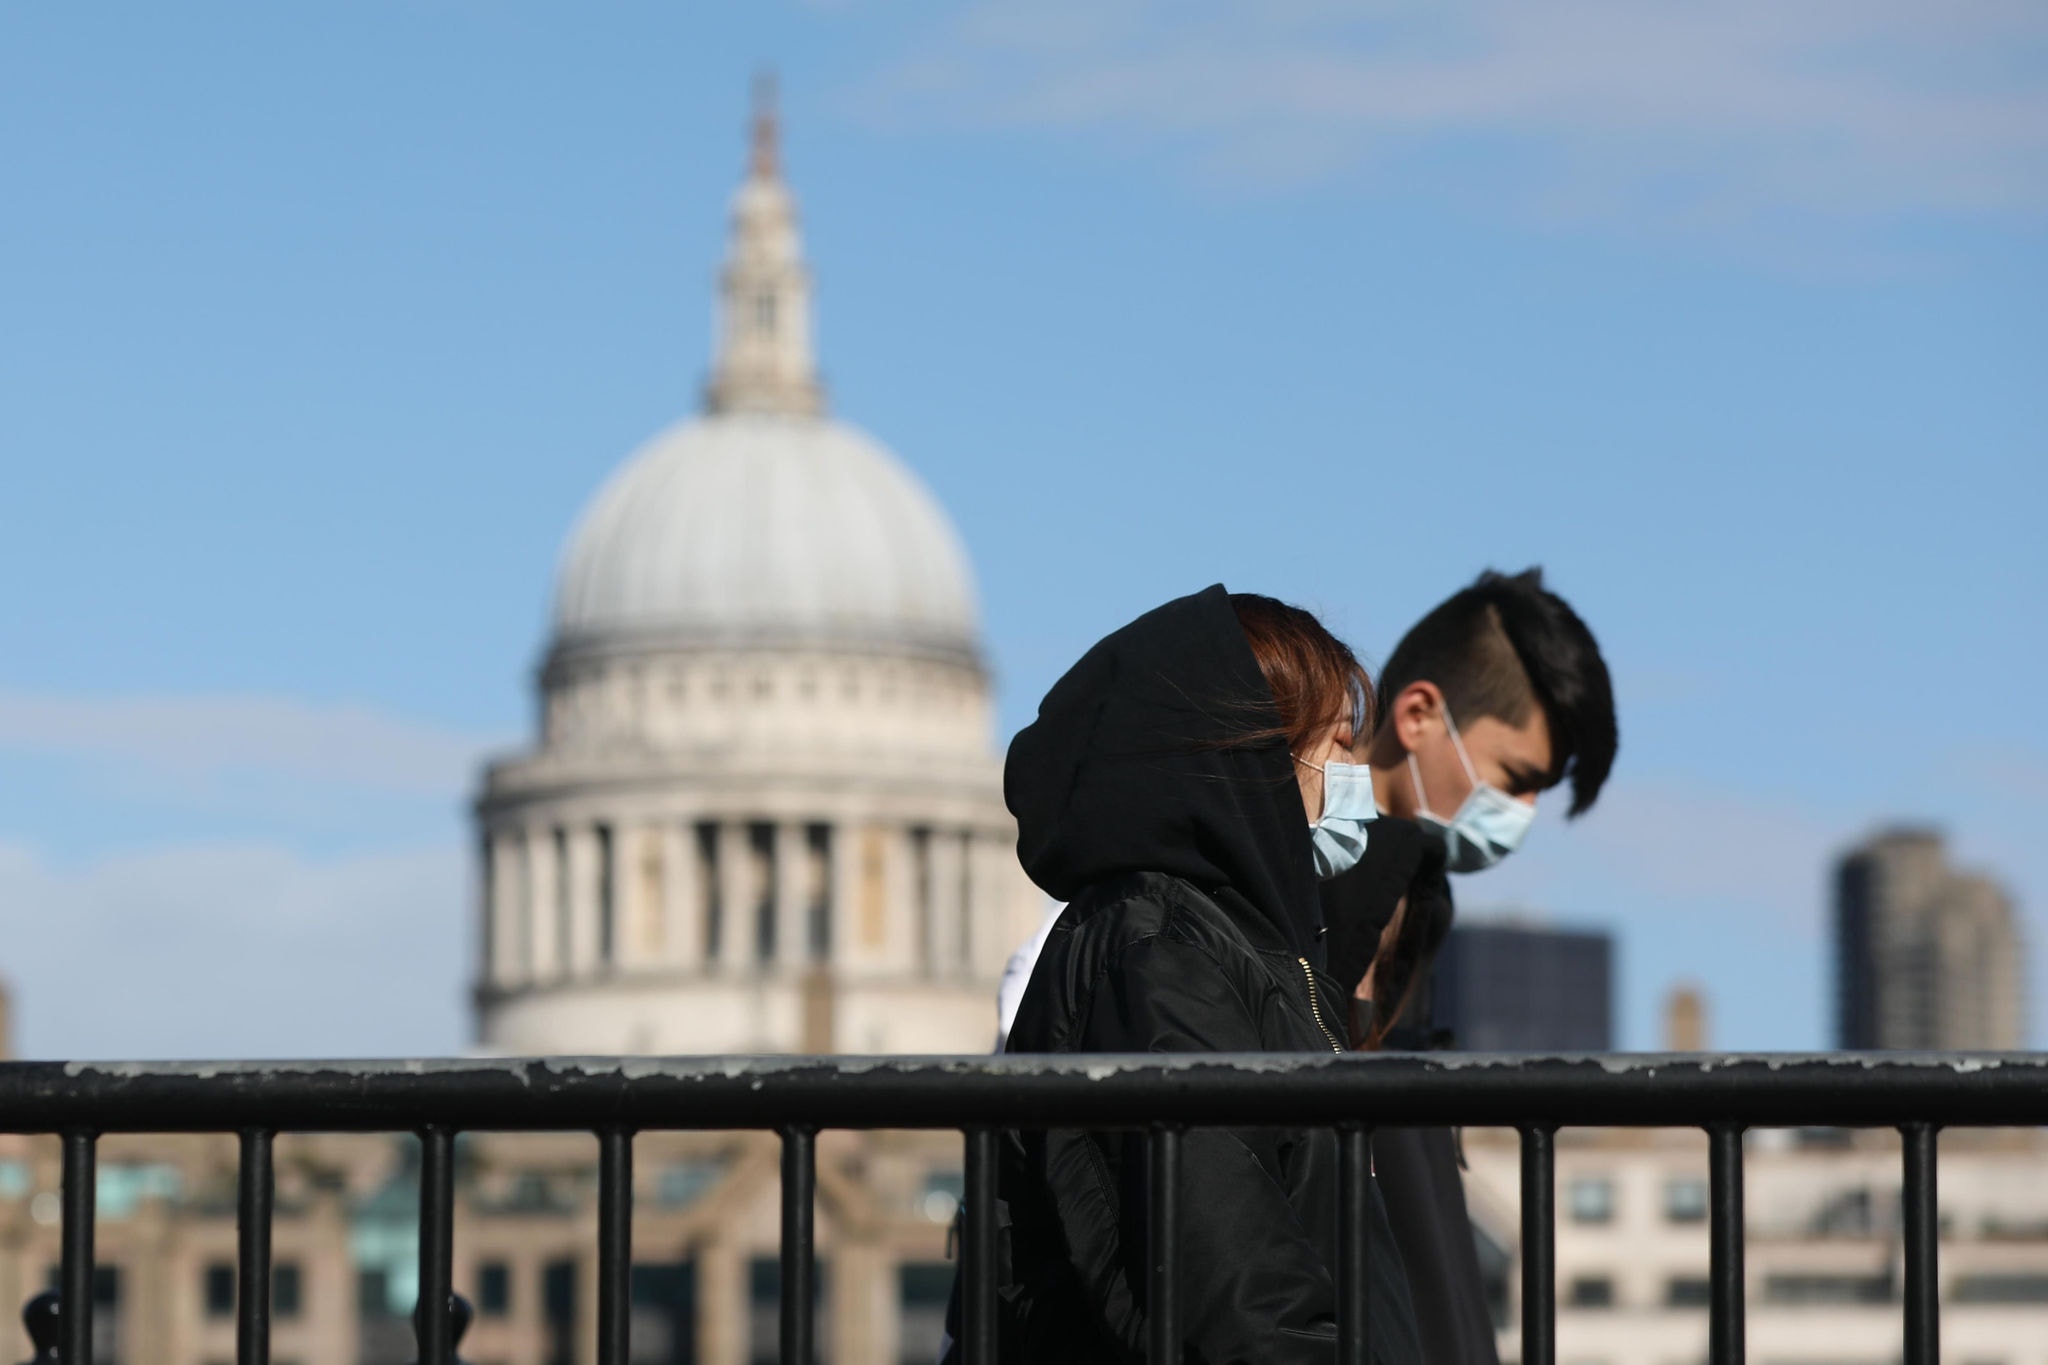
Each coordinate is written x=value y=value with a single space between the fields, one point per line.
x=203 y=739
x=235 y=950
x=1686 y=114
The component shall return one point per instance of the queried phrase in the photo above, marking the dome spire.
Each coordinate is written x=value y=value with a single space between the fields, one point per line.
x=764 y=361
x=767 y=153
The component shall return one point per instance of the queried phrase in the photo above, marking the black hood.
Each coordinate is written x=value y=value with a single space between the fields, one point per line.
x=1138 y=763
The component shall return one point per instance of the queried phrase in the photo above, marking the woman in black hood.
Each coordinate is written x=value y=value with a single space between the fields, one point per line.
x=1166 y=792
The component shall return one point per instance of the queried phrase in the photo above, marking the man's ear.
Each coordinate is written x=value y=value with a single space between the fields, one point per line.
x=1418 y=709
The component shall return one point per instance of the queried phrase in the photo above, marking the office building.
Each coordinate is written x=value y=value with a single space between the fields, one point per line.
x=1925 y=956
x=1510 y=987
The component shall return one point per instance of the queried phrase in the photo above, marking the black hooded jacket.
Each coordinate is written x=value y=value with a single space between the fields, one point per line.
x=1417 y=1167
x=1192 y=925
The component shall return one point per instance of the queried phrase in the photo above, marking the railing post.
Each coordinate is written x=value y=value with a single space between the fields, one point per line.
x=1539 y=1231
x=1354 y=1245
x=614 y=1246
x=1162 y=1343
x=255 y=1188
x=978 y=1250
x=76 y=1265
x=433 y=1315
x=1923 y=1245
x=799 y=1188
x=1726 y=1331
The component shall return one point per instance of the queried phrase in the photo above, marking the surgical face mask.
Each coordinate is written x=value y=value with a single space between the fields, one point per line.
x=1489 y=824
x=1339 y=837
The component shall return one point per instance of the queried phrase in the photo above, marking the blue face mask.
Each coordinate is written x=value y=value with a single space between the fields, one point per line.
x=1489 y=823
x=1348 y=807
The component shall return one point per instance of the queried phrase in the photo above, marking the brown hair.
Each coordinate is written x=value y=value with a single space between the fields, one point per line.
x=1315 y=678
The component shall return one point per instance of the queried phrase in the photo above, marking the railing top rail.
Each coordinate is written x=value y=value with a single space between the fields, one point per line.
x=1221 y=1089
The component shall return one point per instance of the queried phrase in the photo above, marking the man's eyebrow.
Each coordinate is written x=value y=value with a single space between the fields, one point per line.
x=1528 y=779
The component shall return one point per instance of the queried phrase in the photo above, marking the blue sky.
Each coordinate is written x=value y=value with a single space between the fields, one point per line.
x=323 y=323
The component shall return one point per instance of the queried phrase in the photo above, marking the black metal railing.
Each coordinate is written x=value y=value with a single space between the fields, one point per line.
x=1917 y=1094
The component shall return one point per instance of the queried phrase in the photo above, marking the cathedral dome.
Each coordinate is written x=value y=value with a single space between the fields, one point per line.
x=763 y=522
x=770 y=528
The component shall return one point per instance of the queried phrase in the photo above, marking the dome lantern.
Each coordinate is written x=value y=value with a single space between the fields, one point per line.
x=764 y=361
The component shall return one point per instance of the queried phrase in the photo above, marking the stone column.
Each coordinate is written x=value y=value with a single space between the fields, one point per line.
x=843 y=872
x=644 y=871
x=583 y=929
x=683 y=945
x=146 y=1288
x=722 y=1302
x=945 y=911
x=988 y=918
x=543 y=932
x=863 y=1328
x=585 y=1351
x=736 y=936
x=506 y=935
x=906 y=938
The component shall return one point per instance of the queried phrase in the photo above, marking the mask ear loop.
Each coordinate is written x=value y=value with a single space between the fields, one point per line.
x=1415 y=776
x=1415 y=769
x=1451 y=727
x=1324 y=769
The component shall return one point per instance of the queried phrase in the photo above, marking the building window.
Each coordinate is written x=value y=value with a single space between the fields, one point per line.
x=2000 y=1288
x=682 y=1184
x=761 y=845
x=1685 y=1199
x=558 y=1311
x=764 y=313
x=1687 y=1291
x=1827 y=1289
x=818 y=894
x=487 y=896
x=564 y=938
x=494 y=1289
x=1591 y=1291
x=218 y=1289
x=287 y=1289
x=709 y=887
x=921 y=873
x=1591 y=1200
x=607 y=899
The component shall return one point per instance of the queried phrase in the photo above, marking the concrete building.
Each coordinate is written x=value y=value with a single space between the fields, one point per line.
x=1509 y=987
x=1823 y=1262
x=1822 y=1259
x=1925 y=956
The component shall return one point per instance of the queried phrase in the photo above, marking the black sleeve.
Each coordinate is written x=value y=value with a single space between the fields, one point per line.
x=1253 y=1288
x=1358 y=904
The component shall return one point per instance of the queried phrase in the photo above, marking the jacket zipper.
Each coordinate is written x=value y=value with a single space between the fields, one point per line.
x=1316 y=1009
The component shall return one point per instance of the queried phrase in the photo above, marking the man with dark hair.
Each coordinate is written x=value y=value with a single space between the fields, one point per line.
x=1501 y=685
x=1495 y=696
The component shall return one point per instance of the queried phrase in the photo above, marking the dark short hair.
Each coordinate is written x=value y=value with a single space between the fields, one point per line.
x=1505 y=644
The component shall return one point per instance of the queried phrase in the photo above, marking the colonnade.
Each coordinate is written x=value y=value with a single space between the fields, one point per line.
x=573 y=900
